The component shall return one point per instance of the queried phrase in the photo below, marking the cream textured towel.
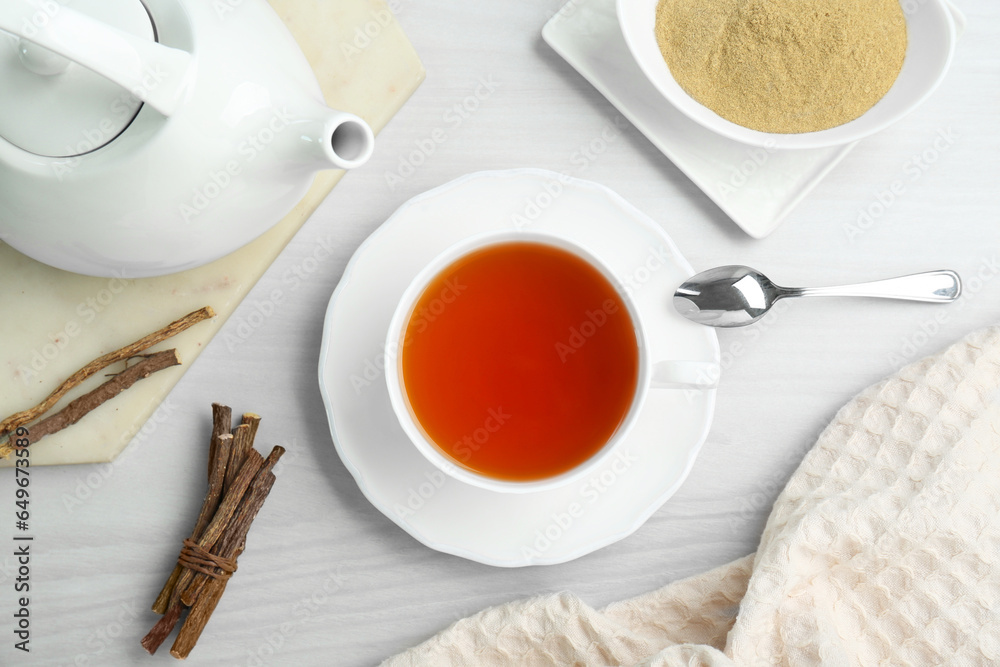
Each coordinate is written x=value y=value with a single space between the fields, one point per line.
x=884 y=548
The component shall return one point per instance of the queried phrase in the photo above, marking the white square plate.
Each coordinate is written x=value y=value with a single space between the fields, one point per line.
x=756 y=187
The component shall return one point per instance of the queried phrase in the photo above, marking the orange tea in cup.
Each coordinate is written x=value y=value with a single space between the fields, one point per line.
x=520 y=361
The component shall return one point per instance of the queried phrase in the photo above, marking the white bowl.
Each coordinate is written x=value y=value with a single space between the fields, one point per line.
x=932 y=27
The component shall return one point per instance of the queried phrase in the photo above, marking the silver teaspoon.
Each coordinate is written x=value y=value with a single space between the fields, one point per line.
x=734 y=296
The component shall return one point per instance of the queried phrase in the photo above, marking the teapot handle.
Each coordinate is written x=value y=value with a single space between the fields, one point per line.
x=156 y=74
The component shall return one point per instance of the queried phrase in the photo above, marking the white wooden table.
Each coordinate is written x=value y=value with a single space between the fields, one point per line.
x=328 y=580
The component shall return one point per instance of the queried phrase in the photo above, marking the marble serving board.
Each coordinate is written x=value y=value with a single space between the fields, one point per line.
x=54 y=322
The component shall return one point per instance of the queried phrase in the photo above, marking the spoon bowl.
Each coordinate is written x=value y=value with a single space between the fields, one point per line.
x=735 y=296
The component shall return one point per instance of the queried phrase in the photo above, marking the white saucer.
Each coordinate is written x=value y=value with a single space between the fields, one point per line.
x=511 y=530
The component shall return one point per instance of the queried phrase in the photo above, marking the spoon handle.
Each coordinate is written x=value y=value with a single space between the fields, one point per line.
x=933 y=286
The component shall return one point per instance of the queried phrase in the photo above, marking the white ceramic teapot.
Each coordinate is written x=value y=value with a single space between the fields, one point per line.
x=144 y=137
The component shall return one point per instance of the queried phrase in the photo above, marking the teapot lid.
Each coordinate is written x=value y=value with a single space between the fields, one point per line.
x=54 y=107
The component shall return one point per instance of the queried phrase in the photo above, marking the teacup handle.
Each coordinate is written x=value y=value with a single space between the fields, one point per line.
x=685 y=375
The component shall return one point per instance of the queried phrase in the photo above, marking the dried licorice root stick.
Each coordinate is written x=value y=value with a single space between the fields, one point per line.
x=218 y=457
x=197 y=619
x=208 y=558
x=79 y=408
x=237 y=529
x=230 y=452
x=207 y=589
x=25 y=416
x=228 y=506
x=222 y=421
x=221 y=444
x=159 y=632
x=253 y=421
x=241 y=447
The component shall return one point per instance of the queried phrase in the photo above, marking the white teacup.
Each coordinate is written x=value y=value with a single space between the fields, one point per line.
x=672 y=374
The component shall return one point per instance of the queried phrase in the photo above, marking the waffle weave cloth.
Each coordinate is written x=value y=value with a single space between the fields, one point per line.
x=883 y=549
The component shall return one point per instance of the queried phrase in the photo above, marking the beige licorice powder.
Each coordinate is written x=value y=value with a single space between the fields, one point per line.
x=784 y=66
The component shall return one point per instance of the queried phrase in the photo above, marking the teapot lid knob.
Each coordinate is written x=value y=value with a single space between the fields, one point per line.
x=54 y=107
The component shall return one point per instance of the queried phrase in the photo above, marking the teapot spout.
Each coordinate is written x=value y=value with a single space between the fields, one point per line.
x=350 y=140
x=335 y=140
x=311 y=137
